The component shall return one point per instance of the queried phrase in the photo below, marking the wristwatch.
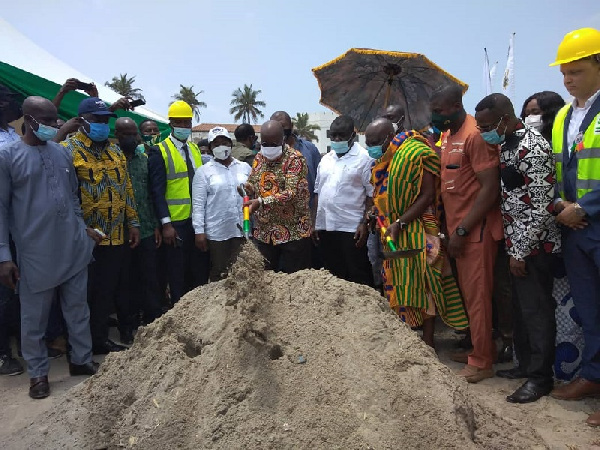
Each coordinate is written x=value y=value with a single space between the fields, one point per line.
x=402 y=224
x=462 y=231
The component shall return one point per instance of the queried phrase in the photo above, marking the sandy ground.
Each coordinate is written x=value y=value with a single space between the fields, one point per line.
x=561 y=424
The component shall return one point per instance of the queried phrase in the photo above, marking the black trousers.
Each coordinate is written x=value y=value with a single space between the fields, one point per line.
x=10 y=312
x=186 y=265
x=222 y=256
x=289 y=257
x=534 y=321
x=140 y=284
x=103 y=284
x=502 y=297
x=343 y=259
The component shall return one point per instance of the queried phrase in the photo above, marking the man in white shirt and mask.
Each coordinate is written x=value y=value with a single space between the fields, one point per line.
x=343 y=195
x=216 y=204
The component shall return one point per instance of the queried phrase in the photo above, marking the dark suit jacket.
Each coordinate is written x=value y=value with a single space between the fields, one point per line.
x=157 y=173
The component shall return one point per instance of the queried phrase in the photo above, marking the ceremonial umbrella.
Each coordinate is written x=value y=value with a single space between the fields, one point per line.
x=362 y=82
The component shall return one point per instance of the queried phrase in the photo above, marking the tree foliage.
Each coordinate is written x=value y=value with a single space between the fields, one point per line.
x=305 y=129
x=245 y=104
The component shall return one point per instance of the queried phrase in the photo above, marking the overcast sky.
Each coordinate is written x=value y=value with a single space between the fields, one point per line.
x=217 y=46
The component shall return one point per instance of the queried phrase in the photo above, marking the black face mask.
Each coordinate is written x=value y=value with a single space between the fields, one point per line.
x=128 y=143
x=287 y=132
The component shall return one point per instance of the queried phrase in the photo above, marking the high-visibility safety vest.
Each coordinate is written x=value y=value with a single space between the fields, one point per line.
x=178 y=193
x=586 y=149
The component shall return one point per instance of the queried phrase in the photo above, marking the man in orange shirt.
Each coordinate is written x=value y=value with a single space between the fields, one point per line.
x=470 y=193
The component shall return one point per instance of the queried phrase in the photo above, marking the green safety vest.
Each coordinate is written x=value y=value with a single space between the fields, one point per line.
x=178 y=193
x=587 y=152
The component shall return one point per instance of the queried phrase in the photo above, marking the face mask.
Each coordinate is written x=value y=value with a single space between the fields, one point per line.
x=395 y=125
x=182 y=133
x=492 y=137
x=375 y=151
x=151 y=139
x=272 y=153
x=443 y=122
x=128 y=144
x=98 y=132
x=44 y=132
x=534 y=121
x=221 y=152
x=341 y=147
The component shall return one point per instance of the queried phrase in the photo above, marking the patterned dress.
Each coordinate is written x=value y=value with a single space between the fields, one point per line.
x=415 y=287
x=283 y=187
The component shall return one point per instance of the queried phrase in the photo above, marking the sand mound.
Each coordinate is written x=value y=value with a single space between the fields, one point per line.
x=265 y=360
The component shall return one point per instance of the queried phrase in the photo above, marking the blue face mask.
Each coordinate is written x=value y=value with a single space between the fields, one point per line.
x=340 y=147
x=492 y=137
x=98 y=132
x=182 y=133
x=44 y=132
x=375 y=151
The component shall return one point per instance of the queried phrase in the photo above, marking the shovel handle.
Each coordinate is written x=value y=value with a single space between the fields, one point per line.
x=388 y=239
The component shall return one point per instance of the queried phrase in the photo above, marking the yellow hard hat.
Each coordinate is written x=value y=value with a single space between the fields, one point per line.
x=180 y=110
x=578 y=44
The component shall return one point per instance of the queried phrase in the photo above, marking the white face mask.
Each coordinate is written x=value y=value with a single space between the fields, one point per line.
x=395 y=125
x=222 y=152
x=534 y=121
x=272 y=153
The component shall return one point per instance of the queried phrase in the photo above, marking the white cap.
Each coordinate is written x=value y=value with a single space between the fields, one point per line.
x=216 y=132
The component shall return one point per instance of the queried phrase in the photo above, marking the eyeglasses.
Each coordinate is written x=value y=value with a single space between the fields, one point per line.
x=485 y=128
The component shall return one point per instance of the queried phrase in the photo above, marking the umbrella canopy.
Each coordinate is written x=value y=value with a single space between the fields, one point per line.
x=362 y=82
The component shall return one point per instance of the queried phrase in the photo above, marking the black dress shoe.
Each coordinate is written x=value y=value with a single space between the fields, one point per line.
x=83 y=369
x=39 y=387
x=531 y=391
x=107 y=347
x=512 y=374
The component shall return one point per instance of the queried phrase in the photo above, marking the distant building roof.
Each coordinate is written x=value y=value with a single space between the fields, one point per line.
x=206 y=127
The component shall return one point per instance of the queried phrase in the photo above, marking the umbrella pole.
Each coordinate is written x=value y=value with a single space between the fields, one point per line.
x=388 y=92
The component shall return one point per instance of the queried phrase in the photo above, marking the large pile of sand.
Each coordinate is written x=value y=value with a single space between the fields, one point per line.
x=265 y=360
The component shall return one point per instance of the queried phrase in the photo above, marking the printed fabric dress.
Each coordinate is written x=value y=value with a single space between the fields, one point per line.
x=415 y=287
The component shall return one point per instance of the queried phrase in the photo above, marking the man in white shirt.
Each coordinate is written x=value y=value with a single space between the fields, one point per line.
x=343 y=194
x=216 y=204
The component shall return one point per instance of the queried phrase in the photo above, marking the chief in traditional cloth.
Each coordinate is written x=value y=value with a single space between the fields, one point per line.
x=39 y=206
x=415 y=287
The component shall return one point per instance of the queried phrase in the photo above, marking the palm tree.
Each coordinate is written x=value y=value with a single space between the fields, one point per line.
x=188 y=95
x=244 y=104
x=305 y=129
x=123 y=85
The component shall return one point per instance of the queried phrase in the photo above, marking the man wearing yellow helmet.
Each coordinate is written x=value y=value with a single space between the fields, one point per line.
x=171 y=167
x=576 y=148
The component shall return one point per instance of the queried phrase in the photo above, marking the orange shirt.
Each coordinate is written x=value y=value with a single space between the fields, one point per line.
x=464 y=154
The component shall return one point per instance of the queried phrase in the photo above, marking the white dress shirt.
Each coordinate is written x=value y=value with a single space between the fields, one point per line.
x=179 y=146
x=577 y=118
x=343 y=185
x=216 y=204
